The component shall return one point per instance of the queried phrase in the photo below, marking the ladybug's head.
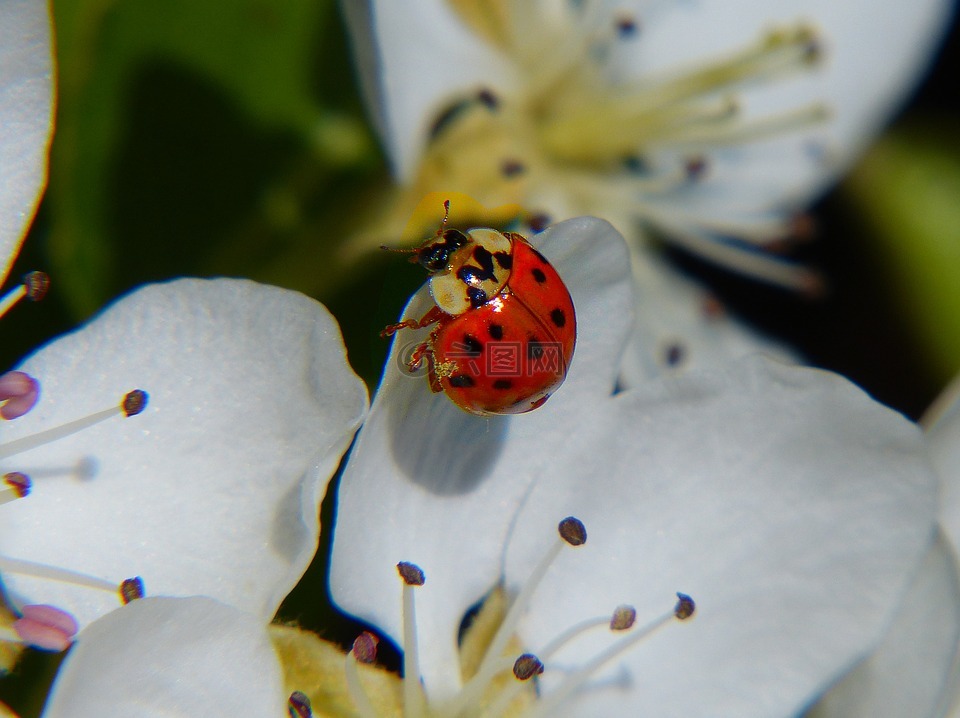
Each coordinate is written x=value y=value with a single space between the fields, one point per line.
x=435 y=256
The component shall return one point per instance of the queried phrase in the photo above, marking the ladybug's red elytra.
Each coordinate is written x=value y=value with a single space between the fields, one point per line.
x=505 y=323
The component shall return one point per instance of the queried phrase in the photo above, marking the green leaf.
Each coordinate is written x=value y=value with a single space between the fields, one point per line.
x=194 y=136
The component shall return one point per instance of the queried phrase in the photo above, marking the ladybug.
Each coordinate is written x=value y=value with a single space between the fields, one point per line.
x=504 y=327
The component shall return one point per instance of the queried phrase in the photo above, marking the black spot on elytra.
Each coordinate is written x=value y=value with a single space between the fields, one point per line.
x=473 y=345
x=504 y=259
x=539 y=275
x=558 y=317
x=461 y=381
x=496 y=331
x=503 y=384
x=539 y=256
x=478 y=297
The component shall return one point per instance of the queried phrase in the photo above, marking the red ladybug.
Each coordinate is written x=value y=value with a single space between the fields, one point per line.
x=505 y=324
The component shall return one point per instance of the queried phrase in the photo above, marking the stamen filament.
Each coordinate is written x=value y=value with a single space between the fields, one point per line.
x=551 y=703
x=764 y=267
x=55 y=573
x=358 y=695
x=490 y=665
x=413 y=696
x=510 y=694
x=731 y=131
x=34 y=287
x=571 y=633
x=10 y=299
x=675 y=109
x=71 y=427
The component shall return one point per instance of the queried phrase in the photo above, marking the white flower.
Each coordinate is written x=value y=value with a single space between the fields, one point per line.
x=710 y=125
x=214 y=489
x=792 y=508
x=596 y=82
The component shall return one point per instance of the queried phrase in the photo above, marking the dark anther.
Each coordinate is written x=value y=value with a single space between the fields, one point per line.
x=627 y=26
x=674 y=354
x=131 y=589
x=623 y=618
x=696 y=167
x=36 y=284
x=527 y=666
x=512 y=168
x=411 y=574
x=573 y=531
x=685 y=606
x=365 y=647
x=134 y=402
x=539 y=221
x=298 y=705
x=489 y=100
x=19 y=482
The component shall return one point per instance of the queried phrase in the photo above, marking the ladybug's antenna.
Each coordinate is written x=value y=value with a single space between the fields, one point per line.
x=415 y=250
x=446 y=216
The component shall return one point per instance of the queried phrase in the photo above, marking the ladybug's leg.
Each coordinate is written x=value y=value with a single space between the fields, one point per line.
x=432 y=317
x=416 y=358
x=423 y=351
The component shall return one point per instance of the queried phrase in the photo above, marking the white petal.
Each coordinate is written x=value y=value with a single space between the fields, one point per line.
x=791 y=506
x=874 y=53
x=26 y=115
x=943 y=435
x=422 y=468
x=414 y=58
x=213 y=489
x=910 y=672
x=171 y=656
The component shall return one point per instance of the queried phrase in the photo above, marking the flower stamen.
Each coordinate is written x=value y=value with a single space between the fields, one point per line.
x=413 y=695
x=33 y=287
x=44 y=627
x=364 y=651
x=132 y=404
x=298 y=705
x=19 y=393
x=571 y=533
x=127 y=590
x=683 y=610
x=18 y=486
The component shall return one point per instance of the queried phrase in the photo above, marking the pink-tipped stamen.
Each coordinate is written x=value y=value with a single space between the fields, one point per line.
x=46 y=627
x=19 y=393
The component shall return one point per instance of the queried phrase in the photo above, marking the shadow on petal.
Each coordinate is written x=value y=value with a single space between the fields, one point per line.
x=453 y=451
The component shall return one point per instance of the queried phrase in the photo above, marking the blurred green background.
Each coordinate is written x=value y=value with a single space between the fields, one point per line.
x=201 y=137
